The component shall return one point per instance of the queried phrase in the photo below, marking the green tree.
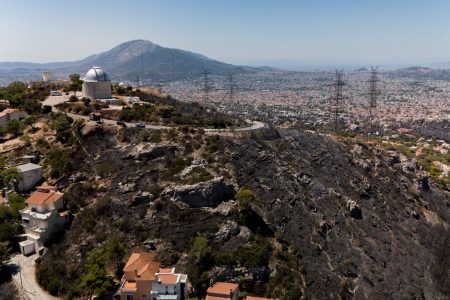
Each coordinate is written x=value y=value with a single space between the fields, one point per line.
x=115 y=251
x=96 y=281
x=13 y=127
x=75 y=84
x=11 y=175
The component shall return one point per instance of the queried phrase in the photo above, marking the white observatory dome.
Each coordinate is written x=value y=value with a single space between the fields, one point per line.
x=96 y=74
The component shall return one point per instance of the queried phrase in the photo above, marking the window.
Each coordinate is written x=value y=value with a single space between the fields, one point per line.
x=26 y=221
x=167 y=290
x=143 y=296
x=130 y=297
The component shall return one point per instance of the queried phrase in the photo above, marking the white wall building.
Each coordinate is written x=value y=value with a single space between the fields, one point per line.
x=11 y=114
x=96 y=84
x=169 y=285
x=31 y=175
x=43 y=216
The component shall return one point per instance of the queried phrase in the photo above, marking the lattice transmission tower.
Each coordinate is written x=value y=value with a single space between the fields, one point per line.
x=373 y=99
x=206 y=87
x=337 y=102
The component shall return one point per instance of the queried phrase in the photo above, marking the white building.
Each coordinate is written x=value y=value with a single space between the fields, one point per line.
x=11 y=114
x=96 y=84
x=43 y=216
x=169 y=285
x=31 y=174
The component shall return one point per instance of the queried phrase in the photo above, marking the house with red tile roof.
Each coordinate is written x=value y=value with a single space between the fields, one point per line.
x=44 y=216
x=139 y=273
x=144 y=279
x=223 y=291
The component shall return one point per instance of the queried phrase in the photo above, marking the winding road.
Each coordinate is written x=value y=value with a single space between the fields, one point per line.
x=55 y=100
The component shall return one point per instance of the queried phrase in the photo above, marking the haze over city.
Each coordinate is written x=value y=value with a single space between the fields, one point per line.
x=275 y=33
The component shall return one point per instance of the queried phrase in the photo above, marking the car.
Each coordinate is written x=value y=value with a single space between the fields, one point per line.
x=121 y=123
x=140 y=125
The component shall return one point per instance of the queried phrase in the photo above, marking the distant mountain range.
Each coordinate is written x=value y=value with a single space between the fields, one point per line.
x=133 y=60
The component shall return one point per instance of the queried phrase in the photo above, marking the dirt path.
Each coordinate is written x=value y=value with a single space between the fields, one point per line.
x=23 y=277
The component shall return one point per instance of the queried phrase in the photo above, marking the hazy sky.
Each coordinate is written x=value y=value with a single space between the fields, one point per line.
x=235 y=31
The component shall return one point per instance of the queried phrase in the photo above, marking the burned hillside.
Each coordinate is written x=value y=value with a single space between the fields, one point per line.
x=284 y=214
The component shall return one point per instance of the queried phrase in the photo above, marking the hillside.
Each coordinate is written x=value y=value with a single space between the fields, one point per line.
x=320 y=218
x=135 y=59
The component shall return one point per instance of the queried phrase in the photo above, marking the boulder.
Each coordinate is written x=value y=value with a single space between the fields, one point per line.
x=226 y=231
x=354 y=209
x=126 y=187
x=149 y=151
x=204 y=194
x=142 y=198
x=423 y=183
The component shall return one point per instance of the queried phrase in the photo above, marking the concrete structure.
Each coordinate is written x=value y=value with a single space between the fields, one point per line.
x=46 y=76
x=223 y=291
x=169 y=285
x=31 y=174
x=96 y=84
x=139 y=273
x=42 y=218
x=11 y=114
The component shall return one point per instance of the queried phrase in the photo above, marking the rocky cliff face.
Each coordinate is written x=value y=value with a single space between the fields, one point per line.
x=330 y=220
x=359 y=220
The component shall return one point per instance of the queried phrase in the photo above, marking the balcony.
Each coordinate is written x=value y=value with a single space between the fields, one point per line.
x=128 y=286
x=27 y=212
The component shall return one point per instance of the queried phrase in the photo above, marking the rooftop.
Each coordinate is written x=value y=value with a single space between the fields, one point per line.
x=96 y=74
x=222 y=288
x=28 y=167
x=38 y=197
x=168 y=278
x=143 y=264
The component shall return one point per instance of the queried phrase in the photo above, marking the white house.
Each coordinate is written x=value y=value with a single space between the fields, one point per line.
x=31 y=174
x=11 y=114
x=42 y=218
x=169 y=285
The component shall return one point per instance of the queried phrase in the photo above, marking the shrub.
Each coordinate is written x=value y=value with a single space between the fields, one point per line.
x=245 y=197
x=73 y=98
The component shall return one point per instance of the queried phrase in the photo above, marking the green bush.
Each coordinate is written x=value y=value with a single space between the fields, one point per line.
x=245 y=197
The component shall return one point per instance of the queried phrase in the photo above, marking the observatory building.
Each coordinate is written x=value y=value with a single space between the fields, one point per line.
x=96 y=84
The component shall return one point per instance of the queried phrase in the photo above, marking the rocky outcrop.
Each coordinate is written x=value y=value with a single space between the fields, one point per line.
x=354 y=209
x=205 y=194
x=226 y=231
x=229 y=274
x=149 y=151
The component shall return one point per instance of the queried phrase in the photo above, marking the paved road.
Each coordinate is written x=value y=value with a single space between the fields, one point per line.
x=55 y=100
x=25 y=279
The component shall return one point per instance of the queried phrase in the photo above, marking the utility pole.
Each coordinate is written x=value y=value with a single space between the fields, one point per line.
x=337 y=101
x=373 y=97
